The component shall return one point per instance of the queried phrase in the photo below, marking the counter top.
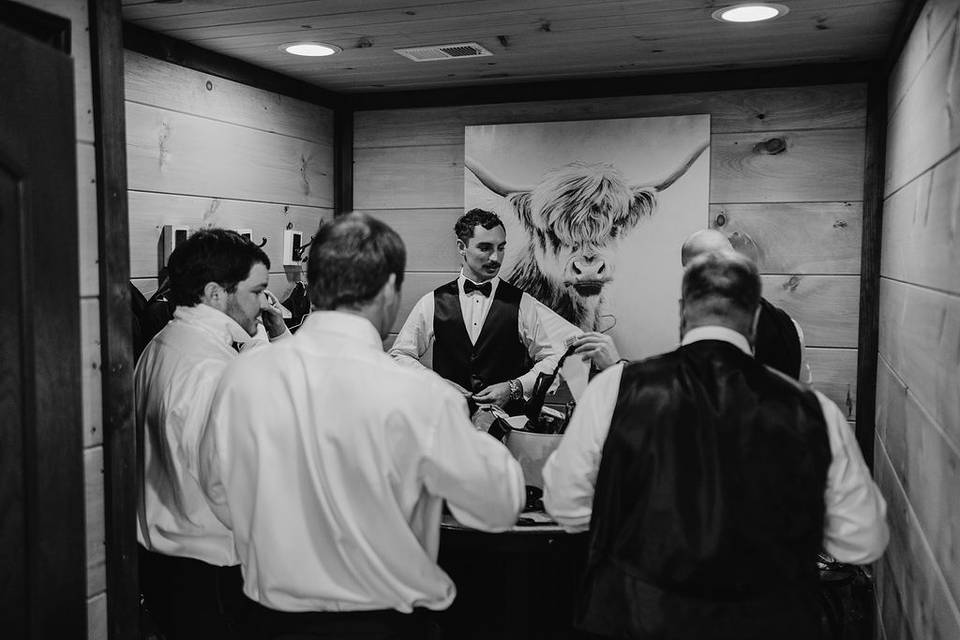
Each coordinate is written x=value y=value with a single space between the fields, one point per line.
x=535 y=522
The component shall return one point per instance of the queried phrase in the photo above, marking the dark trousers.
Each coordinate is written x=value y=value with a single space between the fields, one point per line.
x=269 y=624
x=188 y=599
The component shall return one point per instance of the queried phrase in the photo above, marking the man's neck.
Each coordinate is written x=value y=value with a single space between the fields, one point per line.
x=475 y=277
x=369 y=312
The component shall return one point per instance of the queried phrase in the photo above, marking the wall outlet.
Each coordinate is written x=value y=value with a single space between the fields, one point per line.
x=246 y=234
x=292 y=241
x=170 y=237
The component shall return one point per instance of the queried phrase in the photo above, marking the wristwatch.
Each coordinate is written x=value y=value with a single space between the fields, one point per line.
x=516 y=389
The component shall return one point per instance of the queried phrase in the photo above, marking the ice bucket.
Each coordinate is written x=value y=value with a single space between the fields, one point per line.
x=531 y=450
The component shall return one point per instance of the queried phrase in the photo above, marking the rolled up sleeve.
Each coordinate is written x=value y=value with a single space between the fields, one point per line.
x=477 y=476
x=855 y=527
x=570 y=473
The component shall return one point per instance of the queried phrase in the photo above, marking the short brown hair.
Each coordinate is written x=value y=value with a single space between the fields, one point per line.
x=351 y=259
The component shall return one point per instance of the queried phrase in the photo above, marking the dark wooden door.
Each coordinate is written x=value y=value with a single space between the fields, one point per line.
x=42 y=551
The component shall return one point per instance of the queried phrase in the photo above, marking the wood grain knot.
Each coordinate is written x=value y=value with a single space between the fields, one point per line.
x=771 y=146
x=792 y=283
x=721 y=220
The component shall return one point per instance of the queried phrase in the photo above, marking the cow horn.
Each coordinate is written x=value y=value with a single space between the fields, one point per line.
x=676 y=175
x=490 y=181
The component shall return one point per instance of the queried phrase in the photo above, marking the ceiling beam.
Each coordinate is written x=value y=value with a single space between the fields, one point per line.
x=767 y=77
x=191 y=56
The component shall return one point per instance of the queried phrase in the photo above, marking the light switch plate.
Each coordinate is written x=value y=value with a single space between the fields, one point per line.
x=292 y=241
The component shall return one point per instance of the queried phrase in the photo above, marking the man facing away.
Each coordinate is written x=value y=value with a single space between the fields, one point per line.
x=484 y=331
x=709 y=482
x=779 y=339
x=330 y=461
x=189 y=573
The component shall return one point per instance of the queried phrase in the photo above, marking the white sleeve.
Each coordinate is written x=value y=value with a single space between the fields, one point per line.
x=480 y=480
x=543 y=333
x=416 y=335
x=212 y=456
x=806 y=375
x=855 y=527
x=570 y=474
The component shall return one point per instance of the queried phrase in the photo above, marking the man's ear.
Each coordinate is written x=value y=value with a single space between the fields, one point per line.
x=753 y=327
x=388 y=301
x=390 y=286
x=214 y=295
x=461 y=246
x=683 y=323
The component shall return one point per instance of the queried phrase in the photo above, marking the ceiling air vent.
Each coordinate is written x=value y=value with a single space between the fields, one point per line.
x=444 y=52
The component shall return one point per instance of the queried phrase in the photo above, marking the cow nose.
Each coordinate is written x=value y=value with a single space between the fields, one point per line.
x=589 y=267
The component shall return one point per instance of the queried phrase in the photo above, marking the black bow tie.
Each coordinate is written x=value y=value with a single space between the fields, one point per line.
x=484 y=289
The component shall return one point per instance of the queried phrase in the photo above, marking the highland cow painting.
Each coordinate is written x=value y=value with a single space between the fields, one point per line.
x=595 y=213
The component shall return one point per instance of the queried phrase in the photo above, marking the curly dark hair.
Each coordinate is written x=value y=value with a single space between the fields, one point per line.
x=351 y=259
x=210 y=255
x=464 y=227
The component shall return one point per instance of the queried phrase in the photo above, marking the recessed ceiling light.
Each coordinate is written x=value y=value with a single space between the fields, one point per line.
x=310 y=48
x=750 y=12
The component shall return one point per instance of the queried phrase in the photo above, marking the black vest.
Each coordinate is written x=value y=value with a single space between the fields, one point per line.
x=708 y=513
x=777 y=344
x=497 y=356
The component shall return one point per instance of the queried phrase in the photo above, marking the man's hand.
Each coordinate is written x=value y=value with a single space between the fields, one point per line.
x=497 y=394
x=272 y=316
x=597 y=347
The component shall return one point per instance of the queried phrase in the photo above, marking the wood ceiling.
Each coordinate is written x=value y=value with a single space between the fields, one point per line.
x=532 y=40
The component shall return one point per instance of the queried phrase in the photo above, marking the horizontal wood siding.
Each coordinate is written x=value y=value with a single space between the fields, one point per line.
x=800 y=208
x=918 y=380
x=204 y=152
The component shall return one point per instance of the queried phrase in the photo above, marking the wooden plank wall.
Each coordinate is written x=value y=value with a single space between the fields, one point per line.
x=76 y=12
x=203 y=151
x=802 y=207
x=918 y=380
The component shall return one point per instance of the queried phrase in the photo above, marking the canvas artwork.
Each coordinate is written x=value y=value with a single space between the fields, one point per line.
x=595 y=213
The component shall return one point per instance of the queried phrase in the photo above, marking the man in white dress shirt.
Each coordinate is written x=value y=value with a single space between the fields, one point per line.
x=489 y=338
x=330 y=462
x=189 y=573
x=709 y=483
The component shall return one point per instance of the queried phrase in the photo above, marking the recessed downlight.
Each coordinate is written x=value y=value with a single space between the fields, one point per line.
x=310 y=49
x=750 y=12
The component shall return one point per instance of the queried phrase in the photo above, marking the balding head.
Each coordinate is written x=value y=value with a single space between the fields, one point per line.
x=720 y=288
x=701 y=242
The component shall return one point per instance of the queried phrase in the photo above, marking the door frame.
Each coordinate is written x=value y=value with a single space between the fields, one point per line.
x=121 y=480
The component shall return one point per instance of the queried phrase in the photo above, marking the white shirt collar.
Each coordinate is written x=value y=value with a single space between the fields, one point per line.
x=216 y=322
x=494 y=281
x=348 y=325
x=714 y=332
